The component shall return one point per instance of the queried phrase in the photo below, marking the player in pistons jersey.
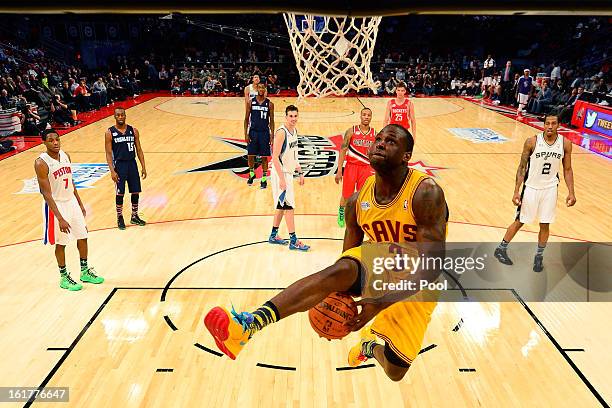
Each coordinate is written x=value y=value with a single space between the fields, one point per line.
x=122 y=146
x=357 y=141
x=400 y=111
x=258 y=124
x=538 y=171
x=63 y=210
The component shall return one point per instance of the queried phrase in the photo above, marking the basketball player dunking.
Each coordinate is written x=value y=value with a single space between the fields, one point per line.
x=400 y=111
x=538 y=171
x=284 y=164
x=357 y=142
x=258 y=124
x=395 y=195
x=122 y=144
x=63 y=210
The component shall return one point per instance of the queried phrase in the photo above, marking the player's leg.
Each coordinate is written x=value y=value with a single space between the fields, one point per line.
x=78 y=228
x=231 y=330
x=525 y=213
x=251 y=153
x=66 y=281
x=279 y=212
x=264 y=152
x=120 y=192
x=538 y=260
x=135 y=190
x=394 y=366
x=289 y=205
x=348 y=188
x=547 y=211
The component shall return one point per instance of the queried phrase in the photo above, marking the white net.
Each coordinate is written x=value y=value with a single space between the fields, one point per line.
x=333 y=54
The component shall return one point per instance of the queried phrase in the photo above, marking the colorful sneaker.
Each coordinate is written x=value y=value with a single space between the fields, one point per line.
x=502 y=256
x=298 y=246
x=120 y=222
x=66 y=282
x=341 y=222
x=277 y=240
x=538 y=263
x=230 y=330
x=358 y=354
x=137 y=221
x=250 y=180
x=264 y=184
x=89 y=276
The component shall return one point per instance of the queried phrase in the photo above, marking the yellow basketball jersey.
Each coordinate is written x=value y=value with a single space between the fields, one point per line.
x=392 y=222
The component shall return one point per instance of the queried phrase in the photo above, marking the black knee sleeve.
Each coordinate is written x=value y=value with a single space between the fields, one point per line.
x=134 y=198
x=119 y=199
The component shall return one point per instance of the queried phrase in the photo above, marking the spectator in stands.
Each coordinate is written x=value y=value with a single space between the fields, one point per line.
x=196 y=86
x=4 y=99
x=543 y=99
x=152 y=75
x=163 y=78
x=524 y=90
x=222 y=78
x=100 y=93
x=555 y=74
x=175 y=86
x=60 y=112
x=82 y=97
x=564 y=113
x=390 y=85
x=209 y=86
x=29 y=121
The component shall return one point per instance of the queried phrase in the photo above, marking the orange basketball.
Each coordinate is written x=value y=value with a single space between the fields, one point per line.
x=328 y=317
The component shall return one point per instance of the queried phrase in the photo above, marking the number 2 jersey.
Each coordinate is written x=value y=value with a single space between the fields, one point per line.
x=60 y=176
x=123 y=144
x=544 y=163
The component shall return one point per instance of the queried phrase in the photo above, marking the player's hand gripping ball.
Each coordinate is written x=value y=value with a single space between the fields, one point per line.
x=328 y=317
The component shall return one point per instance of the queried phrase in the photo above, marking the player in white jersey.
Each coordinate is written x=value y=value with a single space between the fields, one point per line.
x=538 y=171
x=284 y=164
x=63 y=210
x=250 y=91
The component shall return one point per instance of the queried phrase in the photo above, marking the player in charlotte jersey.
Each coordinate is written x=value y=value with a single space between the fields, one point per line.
x=538 y=171
x=122 y=145
x=357 y=141
x=63 y=210
x=400 y=111
x=258 y=124
x=284 y=164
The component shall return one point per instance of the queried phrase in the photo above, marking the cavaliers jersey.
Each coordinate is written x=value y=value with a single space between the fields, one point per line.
x=123 y=143
x=399 y=113
x=259 y=115
x=60 y=176
x=544 y=163
x=392 y=222
x=359 y=145
x=288 y=155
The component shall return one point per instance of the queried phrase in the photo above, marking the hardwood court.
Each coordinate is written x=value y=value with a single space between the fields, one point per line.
x=117 y=339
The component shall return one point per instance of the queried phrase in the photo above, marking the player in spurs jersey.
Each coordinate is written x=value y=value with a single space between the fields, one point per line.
x=63 y=210
x=250 y=91
x=258 y=124
x=284 y=164
x=538 y=171
x=396 y=206
x=122 y=145
x=400 y=111
x=357 y=142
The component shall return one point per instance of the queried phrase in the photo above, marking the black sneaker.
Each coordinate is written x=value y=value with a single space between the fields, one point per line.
x=137 y=221
x=501 y=255
x=250 y=180
x=120 y=222
x=538 y=265
x=264 y=184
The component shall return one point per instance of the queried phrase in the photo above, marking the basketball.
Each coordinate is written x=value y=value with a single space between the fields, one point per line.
x=328 y=317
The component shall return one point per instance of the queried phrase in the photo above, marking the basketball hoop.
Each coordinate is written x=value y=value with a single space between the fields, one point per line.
x=333 y=54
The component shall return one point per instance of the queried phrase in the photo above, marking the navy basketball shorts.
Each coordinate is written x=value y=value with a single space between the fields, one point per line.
x=127 y=170
x=259 y=144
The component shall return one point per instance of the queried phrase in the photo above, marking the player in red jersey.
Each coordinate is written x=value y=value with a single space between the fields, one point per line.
x=400 y=111
x=357 y=141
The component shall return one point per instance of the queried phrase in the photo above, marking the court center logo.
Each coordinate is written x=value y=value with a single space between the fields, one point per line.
x=317 y=155
x=84 y=175
x=478 y=135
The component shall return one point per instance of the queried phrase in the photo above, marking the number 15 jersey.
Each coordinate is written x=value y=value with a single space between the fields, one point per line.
x=123 y=144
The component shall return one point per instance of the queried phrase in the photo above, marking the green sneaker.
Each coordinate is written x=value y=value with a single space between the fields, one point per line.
x=66 y=282
x=89 y=276
x=341 y=219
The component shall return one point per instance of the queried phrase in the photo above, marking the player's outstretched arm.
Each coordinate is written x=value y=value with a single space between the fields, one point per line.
x=528 y=147
x=108 y=148
x=387 y=114
x=353 y=235
x=568 y=173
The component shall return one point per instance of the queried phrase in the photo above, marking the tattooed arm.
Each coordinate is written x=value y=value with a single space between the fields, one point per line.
x=522 y=168
x=343 y=150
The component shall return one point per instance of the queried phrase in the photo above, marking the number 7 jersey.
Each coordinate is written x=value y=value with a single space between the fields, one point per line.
x=544 y=163
x=60 y=176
